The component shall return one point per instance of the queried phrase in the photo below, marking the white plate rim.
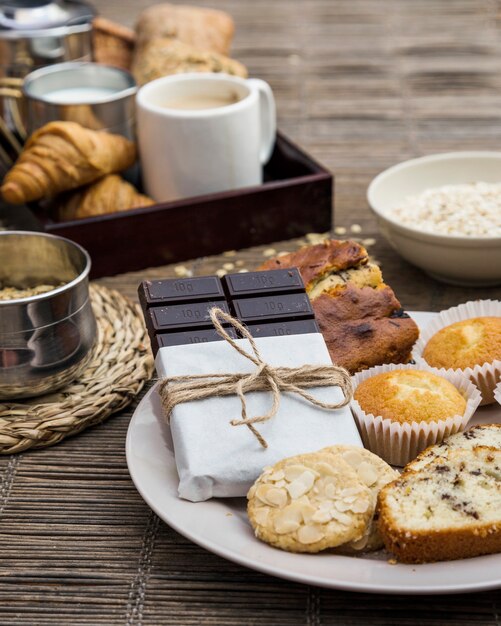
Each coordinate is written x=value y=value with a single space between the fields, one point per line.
x=178 y=523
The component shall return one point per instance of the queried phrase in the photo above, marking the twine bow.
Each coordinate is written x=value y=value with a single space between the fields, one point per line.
x=177 y=389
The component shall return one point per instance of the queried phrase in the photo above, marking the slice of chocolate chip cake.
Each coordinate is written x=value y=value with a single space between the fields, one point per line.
x=449 y=509
x=482 y=435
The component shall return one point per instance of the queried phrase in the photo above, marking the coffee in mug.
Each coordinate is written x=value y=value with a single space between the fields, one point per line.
x=198 y=102
x=203 y=133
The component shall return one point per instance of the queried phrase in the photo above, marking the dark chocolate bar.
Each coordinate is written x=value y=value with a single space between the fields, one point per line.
x=158 y=292
x=250 y=284
x=280 y=329
x=272 y=307
x=204 y=335
x=272 y=303
x=179 y=316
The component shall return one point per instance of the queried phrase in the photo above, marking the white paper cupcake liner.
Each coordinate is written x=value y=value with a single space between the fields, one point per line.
x=398 y=443
x=497 y=393
x=485 y=376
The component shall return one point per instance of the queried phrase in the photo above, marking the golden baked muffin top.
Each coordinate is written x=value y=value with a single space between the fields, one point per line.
x=410 y=396
x=465 y=344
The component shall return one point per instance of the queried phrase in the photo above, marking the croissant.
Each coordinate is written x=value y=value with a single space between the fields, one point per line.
x=61 y=156
x=108 y=195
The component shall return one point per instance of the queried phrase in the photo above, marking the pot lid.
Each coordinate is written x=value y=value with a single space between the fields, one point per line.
x=30 y=15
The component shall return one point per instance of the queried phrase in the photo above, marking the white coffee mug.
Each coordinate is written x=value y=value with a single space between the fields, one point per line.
x=189 y=151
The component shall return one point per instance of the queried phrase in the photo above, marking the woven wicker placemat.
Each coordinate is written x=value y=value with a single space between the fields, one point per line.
x=119 y=366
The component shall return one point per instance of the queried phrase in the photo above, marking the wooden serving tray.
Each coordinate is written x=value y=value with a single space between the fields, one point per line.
x=296 y=198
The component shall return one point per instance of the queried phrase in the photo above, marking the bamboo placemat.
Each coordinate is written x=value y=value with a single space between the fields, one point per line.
x=118 y=368
x=361 y=85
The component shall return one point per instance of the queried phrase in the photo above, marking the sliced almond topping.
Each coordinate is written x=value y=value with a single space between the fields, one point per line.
x=261 y=492
x=278 y=475
x=321 y=516
x=277 y=497
x=301 y=485
x=309 y=534
x=353 y=458
x=330 y=491
x=307 y=510
x=349 y=499
x=325 y=505
x=283 y=527
x=325 y=468
x=342 y=506
x=342 y=518
x=261 y=515
x=350 y=491
x=268 y=494
x=292 y=472
x=360 y=506
x=252 y=491
x=367 y=473
x=288 y=519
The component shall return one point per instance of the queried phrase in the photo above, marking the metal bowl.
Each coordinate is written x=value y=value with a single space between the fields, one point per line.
x=45 y=339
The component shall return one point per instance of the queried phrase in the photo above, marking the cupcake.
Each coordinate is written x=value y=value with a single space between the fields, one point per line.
x=466 y=339
x=402 y=409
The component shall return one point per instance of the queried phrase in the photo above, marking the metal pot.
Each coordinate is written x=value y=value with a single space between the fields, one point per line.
x=37 y=33
x=46 y=339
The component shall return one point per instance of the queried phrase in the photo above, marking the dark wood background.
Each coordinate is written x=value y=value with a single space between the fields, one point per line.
x=361 y=84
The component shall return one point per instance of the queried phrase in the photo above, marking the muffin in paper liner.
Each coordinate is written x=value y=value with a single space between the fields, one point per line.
x=399 y=443
x=485 y=376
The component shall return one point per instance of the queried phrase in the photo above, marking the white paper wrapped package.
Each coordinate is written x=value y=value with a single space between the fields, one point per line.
x=213 y=457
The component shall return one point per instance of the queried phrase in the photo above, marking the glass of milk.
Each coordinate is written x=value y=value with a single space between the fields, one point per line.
x=96 y=96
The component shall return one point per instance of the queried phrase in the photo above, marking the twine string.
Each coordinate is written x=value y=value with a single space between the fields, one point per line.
x=176 y=390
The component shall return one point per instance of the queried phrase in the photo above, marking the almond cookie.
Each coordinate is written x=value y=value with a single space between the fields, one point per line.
x=375 y=474
x=308 y=503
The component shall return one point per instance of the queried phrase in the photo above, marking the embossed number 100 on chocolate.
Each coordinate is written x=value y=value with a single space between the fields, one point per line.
x=272 y=303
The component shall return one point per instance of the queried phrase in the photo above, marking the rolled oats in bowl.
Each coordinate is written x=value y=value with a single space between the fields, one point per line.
x=465 y=210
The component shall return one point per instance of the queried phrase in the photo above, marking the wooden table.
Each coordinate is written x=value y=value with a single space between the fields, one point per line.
x=361 y=84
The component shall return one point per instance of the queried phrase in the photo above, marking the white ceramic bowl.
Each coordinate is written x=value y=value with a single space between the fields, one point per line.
x=462 y=260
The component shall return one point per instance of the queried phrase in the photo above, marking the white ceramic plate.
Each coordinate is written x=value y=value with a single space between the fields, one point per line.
x=221 y=526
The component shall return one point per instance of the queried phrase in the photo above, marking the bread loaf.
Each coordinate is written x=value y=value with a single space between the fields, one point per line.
x=204 y=29
x=163 y=56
